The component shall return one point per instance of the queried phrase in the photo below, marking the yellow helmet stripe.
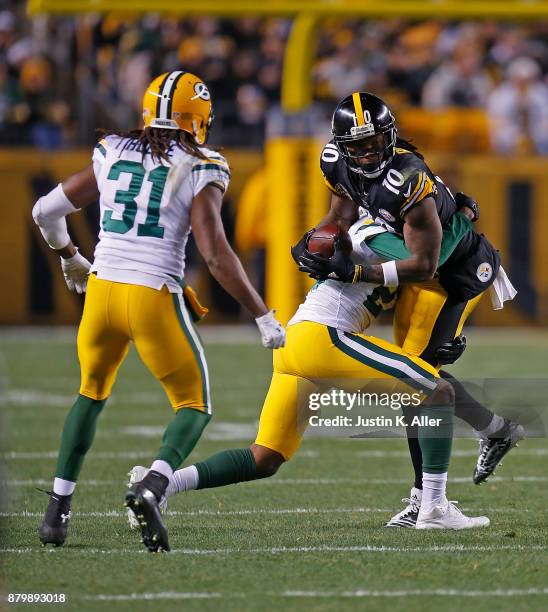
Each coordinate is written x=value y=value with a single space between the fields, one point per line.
x=358 y=107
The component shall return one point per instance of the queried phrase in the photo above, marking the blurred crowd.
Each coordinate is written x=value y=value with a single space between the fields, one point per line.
x=60 y=78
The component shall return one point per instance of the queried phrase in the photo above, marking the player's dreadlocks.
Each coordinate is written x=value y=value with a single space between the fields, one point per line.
x=408 y=146
x=157 y=141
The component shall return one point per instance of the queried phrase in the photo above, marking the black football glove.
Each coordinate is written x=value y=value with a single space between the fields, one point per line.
x=462 y=200
x=449 y=352
x=337 y=267
x=300 y=248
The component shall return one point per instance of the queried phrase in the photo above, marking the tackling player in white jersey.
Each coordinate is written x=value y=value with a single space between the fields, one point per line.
x=153 y=184
x=326 y=344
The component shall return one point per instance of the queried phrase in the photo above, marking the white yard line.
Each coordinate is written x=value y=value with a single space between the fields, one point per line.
x=446 y=592
x=449 y=548
x=153 y=596
x=358 y=593
x=251 y=511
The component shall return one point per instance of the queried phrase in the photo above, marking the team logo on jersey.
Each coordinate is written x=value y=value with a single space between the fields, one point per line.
x=341 y=190
x=484 y=272
x=384 y=213
x=201 y=91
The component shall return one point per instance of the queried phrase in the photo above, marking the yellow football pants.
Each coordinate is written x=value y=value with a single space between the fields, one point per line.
x=425 y=318
x=315 y=353
x=160 y=327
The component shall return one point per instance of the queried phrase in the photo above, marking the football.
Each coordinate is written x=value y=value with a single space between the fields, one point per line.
x=322 y=241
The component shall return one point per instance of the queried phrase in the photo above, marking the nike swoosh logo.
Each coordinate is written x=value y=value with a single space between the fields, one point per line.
x=406 y=194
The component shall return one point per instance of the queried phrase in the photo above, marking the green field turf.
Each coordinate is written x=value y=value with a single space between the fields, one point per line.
x=309 y=538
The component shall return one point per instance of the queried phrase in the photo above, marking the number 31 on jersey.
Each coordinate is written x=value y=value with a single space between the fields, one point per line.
x=157 y=177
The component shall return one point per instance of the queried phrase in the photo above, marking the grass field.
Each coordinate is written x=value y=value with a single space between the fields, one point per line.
x=309 y=538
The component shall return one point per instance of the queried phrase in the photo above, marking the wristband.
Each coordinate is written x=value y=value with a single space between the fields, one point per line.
x=390 y=273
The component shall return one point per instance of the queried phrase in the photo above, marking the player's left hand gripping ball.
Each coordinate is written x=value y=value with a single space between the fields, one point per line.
x=298 y=250
x=76 y=270
x=338 y=267
x=272 y=331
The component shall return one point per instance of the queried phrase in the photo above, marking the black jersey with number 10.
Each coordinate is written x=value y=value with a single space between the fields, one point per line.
x=405 y=182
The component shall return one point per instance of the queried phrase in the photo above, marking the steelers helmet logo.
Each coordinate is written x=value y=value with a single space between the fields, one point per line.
x=201 y=92
x=484 y=272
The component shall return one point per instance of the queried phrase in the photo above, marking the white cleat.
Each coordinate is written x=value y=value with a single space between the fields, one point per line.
x=136 y=474
x=447 y=516
x=407 y=518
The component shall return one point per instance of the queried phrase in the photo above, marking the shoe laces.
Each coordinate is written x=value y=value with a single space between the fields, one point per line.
x=411 y=501
x=454 y=505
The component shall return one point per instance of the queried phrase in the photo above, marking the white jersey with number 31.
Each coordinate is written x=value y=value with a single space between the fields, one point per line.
x=145 y=210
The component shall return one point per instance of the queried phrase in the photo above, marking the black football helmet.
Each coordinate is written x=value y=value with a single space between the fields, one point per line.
x=364 y=131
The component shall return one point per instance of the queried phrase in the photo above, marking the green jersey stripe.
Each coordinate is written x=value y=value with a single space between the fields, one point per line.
x=378 y=363
x=211 y=167
x=391 y=355
x=101 y=149
x=192 y=338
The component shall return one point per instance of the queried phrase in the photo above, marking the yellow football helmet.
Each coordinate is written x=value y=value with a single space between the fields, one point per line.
x=179 y=101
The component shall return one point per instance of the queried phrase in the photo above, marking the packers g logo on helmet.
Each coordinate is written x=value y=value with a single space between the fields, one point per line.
x=178 y=101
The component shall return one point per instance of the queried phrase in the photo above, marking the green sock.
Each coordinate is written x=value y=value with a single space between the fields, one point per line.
x=227 y=467
x=181 y=435
x=436 y=441
x=77 y=437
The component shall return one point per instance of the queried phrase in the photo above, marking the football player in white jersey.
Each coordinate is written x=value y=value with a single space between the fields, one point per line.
x=153 y=184
x=326 y=345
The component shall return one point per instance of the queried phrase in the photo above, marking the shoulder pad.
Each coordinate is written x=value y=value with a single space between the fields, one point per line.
x=408 y=181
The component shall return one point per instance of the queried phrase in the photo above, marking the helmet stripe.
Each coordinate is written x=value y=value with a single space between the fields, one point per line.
x=358 y=107
x=159 y=99
x=166 y=92
x=172 y=93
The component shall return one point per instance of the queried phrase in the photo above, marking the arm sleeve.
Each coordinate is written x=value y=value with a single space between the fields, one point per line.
x=391 y=246
x=211 y=171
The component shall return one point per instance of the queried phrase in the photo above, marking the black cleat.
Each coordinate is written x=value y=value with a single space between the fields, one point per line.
x=493 y=449
x=142 y=499
x=54 y=527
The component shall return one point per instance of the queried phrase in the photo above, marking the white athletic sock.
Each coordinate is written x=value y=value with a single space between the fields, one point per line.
x=185 y=479
x=433 y=490
x=63 y=487
x=497 y=422
x=163 y=467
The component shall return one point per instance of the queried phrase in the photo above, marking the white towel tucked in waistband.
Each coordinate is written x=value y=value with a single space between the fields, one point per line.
x=501 y=290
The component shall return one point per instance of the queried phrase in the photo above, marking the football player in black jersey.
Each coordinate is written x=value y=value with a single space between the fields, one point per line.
x=367 y=165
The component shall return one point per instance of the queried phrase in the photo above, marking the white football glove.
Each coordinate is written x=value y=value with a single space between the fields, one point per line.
x=272 y=331
x=76 y=270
